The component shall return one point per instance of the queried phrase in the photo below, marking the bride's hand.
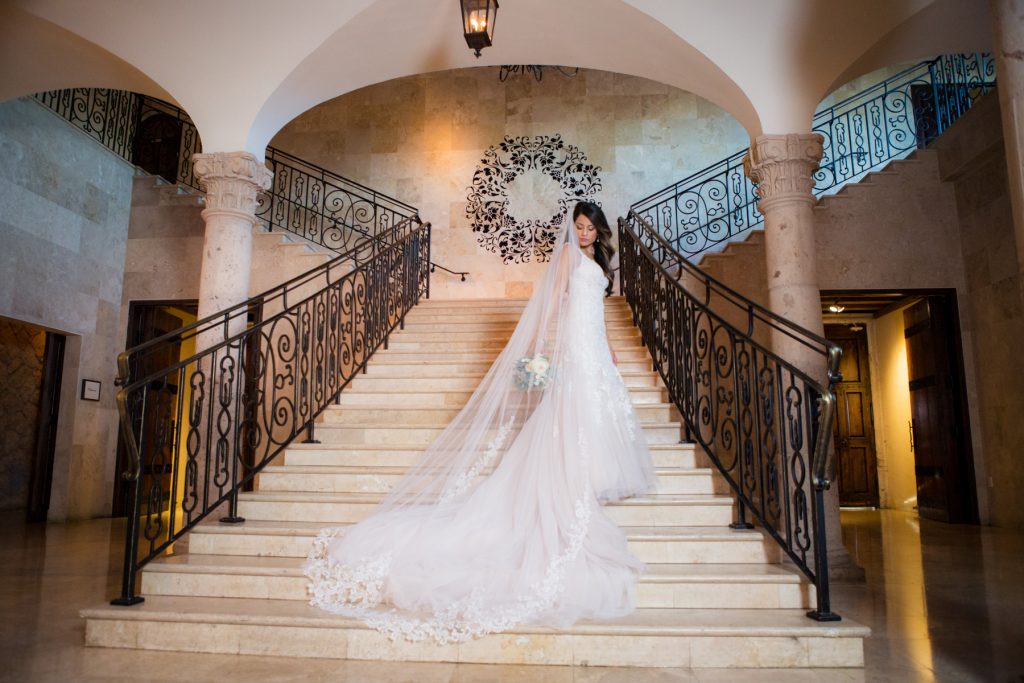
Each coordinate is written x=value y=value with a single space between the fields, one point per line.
x=615 y=359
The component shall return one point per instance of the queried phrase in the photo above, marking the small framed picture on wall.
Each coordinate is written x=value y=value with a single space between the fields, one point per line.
x=90 y=390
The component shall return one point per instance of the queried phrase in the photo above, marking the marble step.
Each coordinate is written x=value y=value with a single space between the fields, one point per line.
x=477 y=356
x=403 y=455
x=728 y=586
x=436 y=334
x=483 y=324
x=647 y=413
x=464 y=382
x=422 y=317
x=362 y=479
x=434 y=368
x=704 y=510
x=666 y=544
x=456 y=399
x=676 y=637
x=344 y=434
x=439 y=343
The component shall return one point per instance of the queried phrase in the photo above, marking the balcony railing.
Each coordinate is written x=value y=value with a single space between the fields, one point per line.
x=862 y=133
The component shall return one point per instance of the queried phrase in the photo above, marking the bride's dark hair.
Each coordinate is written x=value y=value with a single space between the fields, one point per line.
x=603 y=249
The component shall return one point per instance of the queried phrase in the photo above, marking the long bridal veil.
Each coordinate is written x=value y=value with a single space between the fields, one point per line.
x=497 y=523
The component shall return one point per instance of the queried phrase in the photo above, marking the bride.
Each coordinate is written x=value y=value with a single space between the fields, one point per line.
x=499 y=521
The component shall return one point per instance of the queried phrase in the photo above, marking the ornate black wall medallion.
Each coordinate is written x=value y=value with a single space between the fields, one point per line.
x=522 y=191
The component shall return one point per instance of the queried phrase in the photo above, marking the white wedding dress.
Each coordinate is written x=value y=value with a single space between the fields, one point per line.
x=500 y=523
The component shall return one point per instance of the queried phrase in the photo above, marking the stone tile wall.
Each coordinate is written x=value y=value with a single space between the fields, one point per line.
x=973 y=161
x=63 y=229
x=422 y=138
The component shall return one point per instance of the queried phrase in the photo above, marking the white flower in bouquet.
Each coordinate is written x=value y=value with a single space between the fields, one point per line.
x=533 y=372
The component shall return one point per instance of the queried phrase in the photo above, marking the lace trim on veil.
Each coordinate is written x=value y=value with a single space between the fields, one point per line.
x=358 y=591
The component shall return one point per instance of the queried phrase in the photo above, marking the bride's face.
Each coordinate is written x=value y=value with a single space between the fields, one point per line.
x=585 y=231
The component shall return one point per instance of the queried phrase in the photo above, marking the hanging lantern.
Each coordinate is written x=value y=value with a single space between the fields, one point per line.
x=478 y=23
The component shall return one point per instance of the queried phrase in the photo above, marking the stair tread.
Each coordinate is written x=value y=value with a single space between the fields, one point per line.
x=656 y=533
x=374 y=497
x=398 y=470
x=418 y=448
x=649 y=620
x=292 y=566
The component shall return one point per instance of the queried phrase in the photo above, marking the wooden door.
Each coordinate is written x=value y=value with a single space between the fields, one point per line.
x=41 y=476
x=148 y=321
x=942 y=455
x=853 y=430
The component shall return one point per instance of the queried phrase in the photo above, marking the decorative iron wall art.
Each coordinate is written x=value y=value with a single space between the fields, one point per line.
x=522 y=191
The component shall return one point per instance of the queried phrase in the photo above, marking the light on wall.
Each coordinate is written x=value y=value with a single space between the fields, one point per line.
x=478 y=17
x=836 y=308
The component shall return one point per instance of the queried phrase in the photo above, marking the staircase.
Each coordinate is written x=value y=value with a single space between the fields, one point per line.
x=172 y=213
x=713 y=597
x=851 y=226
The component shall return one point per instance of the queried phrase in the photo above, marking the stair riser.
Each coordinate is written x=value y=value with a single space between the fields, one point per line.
x=484 y=356
x=683 y=550
x=504 y=328
x=428 y=384
x=433 y=369
x=631 y=334
x=712 y=514
x=700 y=595
x=706 y=651
x=328 y=434
x=284 y=482
x=399 y=343
x=455 y=399
x=366 y=417
x=329 y=514
x=684 y=457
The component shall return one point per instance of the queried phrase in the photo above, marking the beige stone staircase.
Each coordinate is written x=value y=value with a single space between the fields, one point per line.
x=712 y=597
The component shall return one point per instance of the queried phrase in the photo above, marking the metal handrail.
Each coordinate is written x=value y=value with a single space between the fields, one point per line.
x=214 y=420
x=748 y=407
x=861 y=133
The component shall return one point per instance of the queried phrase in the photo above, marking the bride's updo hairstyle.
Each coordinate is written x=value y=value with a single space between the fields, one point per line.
x=603 y=249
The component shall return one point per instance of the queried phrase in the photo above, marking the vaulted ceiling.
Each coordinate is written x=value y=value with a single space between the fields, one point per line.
x=244 y=68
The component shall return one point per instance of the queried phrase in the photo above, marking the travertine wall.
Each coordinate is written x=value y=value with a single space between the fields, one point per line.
x=422 y=138
x=63 y=230
x=972 y=160
x=21 y=366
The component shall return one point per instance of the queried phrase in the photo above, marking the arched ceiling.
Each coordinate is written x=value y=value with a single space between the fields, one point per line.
x=244 y=68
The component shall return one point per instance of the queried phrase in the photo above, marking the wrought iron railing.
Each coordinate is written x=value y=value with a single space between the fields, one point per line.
x=198 y=430
x=304 y=199
x=765 y=424
x=861 y=133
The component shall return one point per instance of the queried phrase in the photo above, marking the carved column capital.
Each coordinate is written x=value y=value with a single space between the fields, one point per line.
x=232 y=181
x=781 y=166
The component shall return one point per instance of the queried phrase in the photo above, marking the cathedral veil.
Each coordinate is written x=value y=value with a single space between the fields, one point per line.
x=481 y=532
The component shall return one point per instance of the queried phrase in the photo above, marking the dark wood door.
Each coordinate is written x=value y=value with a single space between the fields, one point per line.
x=942 y=455
x=41 y=476
x=853 y=430
x=148 y=321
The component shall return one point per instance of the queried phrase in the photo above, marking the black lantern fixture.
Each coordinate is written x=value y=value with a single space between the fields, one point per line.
x=478 y=23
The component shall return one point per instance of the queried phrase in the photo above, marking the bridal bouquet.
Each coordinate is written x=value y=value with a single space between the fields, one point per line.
x=533 y=372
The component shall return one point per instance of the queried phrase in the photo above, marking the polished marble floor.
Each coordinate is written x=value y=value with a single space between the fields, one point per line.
x=946 y=603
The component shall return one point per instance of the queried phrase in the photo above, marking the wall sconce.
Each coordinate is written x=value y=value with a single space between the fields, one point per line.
x=478 y=17
x=836 y=308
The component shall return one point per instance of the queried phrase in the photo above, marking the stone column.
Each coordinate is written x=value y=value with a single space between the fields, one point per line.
x=1008 y=31
x=232 y=181
x=781 y=166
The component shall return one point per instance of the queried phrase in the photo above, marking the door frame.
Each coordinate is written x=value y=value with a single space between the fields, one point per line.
x=959 y=372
